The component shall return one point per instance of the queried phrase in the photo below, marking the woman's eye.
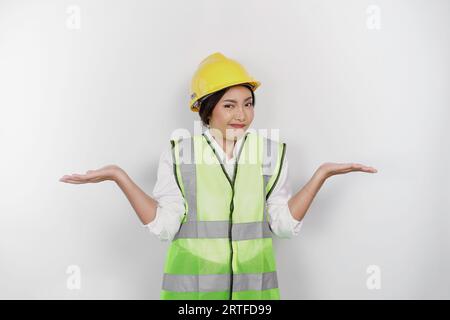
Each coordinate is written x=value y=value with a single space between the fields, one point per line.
x=228 y=105
x=249 y=104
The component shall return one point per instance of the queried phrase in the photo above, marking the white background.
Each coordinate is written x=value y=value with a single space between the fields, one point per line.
x=113 y=90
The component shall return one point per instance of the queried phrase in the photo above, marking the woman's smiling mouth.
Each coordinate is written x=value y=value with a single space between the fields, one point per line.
x=238 y=126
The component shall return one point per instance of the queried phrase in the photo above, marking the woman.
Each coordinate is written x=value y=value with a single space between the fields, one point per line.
x=221 y=195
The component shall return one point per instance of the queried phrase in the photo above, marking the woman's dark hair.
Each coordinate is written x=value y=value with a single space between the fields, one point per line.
x=208 y=103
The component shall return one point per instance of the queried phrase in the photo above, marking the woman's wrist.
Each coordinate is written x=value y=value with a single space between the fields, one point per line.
x=118 y=174
x=322 y=174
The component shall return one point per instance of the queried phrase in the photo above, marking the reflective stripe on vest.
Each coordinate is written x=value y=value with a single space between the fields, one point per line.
x=219 y=282
x=219 y=229
x=223 y=249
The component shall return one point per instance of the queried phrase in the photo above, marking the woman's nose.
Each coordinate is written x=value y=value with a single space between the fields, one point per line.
x=239 y=114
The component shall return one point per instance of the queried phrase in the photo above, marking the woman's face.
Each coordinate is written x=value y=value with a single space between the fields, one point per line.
x=234 y=108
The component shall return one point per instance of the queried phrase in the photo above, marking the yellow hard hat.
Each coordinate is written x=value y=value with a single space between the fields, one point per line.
x=214 y=73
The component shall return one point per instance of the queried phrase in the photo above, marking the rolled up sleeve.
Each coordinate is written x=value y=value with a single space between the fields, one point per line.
x=170 y=210
x=282 y=223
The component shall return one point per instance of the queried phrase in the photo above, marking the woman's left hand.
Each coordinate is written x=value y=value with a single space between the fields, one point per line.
x=329 y=169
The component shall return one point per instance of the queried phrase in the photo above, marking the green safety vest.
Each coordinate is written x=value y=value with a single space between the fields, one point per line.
x=223 y=249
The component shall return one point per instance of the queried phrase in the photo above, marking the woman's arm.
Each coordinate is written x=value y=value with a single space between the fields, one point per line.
x=144 y=205
x=300 y=202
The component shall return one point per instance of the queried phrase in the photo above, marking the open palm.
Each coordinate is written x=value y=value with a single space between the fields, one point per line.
x=92 y=176
x=331 y=168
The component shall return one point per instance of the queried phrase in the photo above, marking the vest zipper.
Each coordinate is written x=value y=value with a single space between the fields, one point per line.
x=232 y=199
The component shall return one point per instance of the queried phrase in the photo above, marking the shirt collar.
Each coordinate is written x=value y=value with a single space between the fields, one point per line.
x=220 y=151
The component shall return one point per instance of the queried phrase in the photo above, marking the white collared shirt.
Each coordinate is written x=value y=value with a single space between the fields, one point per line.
x=170 y=210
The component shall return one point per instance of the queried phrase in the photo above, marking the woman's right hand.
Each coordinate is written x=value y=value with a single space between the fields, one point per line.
x=109 y=172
